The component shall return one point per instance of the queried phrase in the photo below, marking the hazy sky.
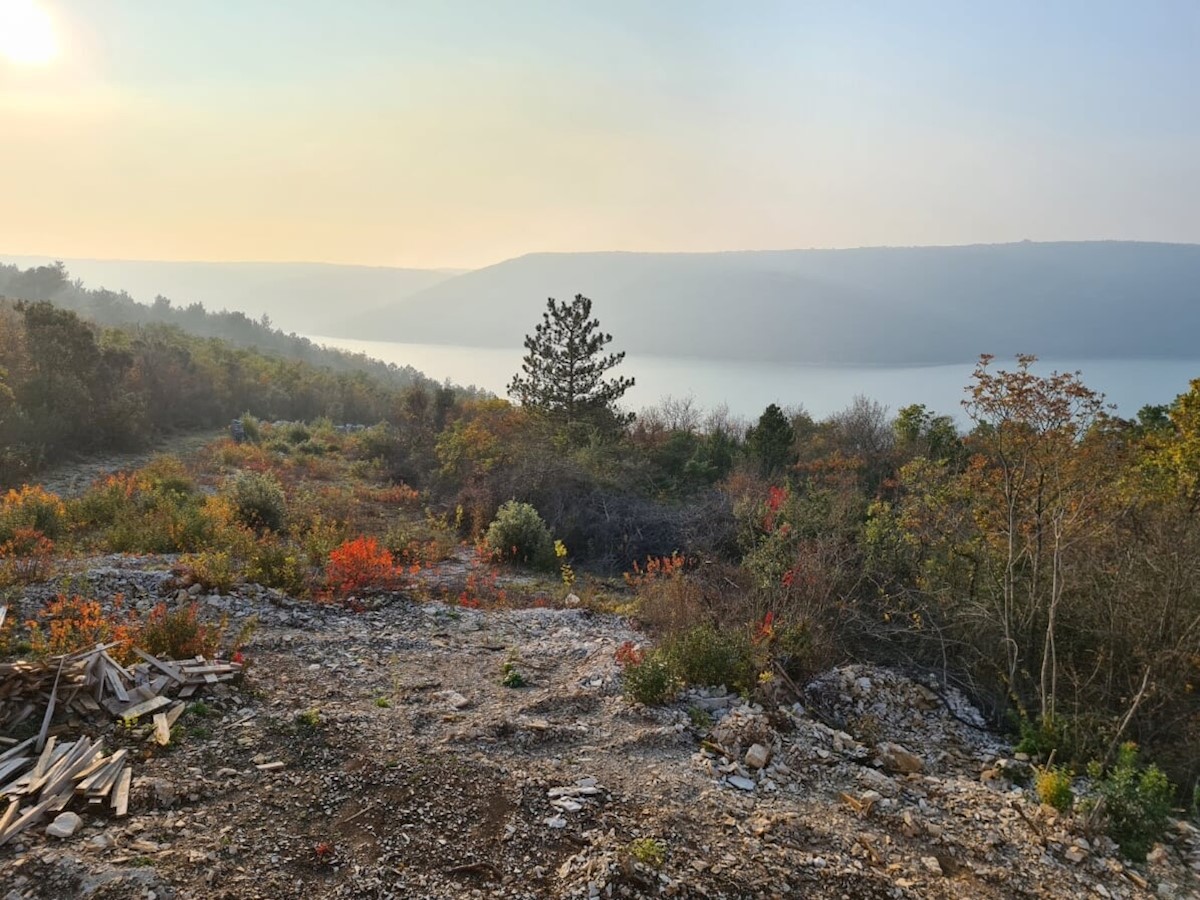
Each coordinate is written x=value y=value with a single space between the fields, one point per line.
x=458 y=134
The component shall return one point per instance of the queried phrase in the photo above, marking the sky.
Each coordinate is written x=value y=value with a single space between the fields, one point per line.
x=457 y=134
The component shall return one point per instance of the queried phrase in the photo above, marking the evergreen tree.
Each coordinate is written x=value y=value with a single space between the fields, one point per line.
x=563 y=372
x=770 y=441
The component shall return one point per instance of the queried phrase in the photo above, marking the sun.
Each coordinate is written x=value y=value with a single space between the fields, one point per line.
x=26 y=33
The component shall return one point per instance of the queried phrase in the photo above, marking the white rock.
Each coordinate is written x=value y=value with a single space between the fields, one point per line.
x=757 y=756
x=556 y=822
x=932 y=865
x=742 y=784
x=64 y=826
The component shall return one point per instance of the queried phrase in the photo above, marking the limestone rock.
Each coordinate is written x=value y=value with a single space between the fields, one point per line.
x=64 y=826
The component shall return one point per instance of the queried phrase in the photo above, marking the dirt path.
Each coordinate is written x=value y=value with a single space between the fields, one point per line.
x=70 y=479
x=409 y=770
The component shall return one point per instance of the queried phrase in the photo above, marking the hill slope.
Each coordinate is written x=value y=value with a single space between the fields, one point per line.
x=298 y=296
x=871 y=305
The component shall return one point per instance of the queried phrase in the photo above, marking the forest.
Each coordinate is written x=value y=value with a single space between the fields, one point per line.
x=1045 y=557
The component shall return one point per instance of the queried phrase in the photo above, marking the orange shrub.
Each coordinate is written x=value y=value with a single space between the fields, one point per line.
x=25 y=558
x=31 y=506
x=358 y=565
x=67 y=624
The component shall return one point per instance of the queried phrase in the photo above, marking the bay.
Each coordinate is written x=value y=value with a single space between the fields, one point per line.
x=747 y=387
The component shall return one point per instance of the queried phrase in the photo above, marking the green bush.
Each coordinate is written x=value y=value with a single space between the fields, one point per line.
x=252 y=428
x=649 y=679
x=258 y=501
x=518 y=534
x=277 y=565
x=1054 y=788
x=1135 y=802
x=705 y=655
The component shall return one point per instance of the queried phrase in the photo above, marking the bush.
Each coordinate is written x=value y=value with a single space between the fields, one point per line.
x=1054 y=788
x=518 y=534
x=274 y=564
x=31 y=507
x=646 y=678
x=705 y=655
x=1135 y=801
x=215 y=570
x=258 y=501
x=360 y=564
x=179 y=634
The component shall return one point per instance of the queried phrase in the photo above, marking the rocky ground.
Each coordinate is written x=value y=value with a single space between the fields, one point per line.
x=411 y=770
x=73 y=477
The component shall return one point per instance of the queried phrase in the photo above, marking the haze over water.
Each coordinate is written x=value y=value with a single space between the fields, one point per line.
x=747 y=388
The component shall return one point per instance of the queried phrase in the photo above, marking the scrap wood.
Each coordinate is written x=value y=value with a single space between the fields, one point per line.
x=120 y=795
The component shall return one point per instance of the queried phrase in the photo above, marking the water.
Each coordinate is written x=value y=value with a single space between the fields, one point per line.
x=747 y=387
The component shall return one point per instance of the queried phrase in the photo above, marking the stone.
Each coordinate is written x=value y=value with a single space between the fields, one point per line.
x=456 y=700
x=64 y=826
x=741 y=783
x=556 y=822
x=897 y=758
x=1076 y=854
x=572 y=600
x=932 y=866
x=757 y=756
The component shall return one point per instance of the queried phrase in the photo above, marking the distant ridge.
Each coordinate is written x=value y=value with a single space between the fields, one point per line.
x=878 y=305
x=297 y=296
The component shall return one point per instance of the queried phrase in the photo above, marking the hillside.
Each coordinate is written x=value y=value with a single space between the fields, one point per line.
x=297 y=296
x=874 y=305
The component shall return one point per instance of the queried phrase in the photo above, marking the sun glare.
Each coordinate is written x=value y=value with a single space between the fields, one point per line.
x=26 y=33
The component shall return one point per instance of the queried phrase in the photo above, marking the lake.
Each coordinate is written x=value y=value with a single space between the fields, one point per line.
x=747 y=387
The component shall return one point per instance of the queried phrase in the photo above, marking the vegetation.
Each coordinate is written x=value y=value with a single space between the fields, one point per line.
x=562 y=375
x=1046 y=559
x=518 y=534
x=1134 y=801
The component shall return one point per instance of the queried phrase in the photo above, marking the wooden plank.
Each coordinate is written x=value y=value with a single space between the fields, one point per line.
x=170 y=670
x=219 y=669
x=188 y=690
x=24 y=821
x=10 y=814
x=43 y=762
x=120 y=794
x=13 y=751
x=71 y=770
x=41 y=741
x=125 y=673
x=8 y=767
x=175 y=712
x=104 y=776
x=162 y=731
x=114 y=682
x=140 y=709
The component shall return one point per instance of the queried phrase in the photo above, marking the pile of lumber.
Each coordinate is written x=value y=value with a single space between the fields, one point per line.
x=46 y=782
x=43 y=774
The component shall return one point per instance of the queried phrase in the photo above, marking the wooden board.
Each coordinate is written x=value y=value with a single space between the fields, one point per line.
x=120 y=794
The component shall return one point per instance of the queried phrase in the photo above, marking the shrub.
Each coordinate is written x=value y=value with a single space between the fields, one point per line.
x=1135 y=802
x=180 y=633
x=1054 y=788
x=31 y=507
x=646 y=678
x=360 y=564
x=258 y=501
x=215 y=570
x=274 y=564
x=518 y=534
x=705 y=655
x=67 y=624
x=26 y=557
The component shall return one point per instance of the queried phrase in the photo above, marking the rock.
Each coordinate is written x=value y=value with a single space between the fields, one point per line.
x=932 y=866
x=741 y=783
x=572 y=600
x=556 y=822
x=1076 y=854
x=64 y=826
x=757 y=756
x=896 y=758
x=456 y=700
x=1158 y=855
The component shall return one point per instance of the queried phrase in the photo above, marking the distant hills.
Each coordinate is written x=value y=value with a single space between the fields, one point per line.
x=890 y=306
x=885 y=306
x=301 y=297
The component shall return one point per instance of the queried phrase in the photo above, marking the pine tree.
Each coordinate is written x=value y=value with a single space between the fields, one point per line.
x=562 y=375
